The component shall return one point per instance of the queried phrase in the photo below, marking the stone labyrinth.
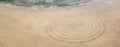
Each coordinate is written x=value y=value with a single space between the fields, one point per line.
x=75 y=29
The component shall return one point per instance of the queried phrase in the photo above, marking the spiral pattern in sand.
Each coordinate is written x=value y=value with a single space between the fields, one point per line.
x=75 y=28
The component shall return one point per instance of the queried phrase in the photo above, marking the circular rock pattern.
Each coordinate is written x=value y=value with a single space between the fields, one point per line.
x=75 y=28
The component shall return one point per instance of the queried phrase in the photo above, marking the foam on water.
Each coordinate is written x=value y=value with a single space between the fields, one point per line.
x=47 y=3
x=38 y=4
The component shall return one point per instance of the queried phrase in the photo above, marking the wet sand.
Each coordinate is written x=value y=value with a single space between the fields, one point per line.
x=24 y=27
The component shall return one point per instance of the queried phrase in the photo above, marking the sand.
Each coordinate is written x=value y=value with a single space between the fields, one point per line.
x=54 y=27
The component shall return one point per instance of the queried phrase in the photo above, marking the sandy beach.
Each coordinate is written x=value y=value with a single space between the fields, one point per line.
x=28 y=27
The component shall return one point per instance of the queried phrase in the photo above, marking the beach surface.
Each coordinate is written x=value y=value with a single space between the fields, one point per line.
x=30 y=27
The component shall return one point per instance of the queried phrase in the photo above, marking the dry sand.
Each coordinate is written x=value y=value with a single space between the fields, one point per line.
x=23 y=27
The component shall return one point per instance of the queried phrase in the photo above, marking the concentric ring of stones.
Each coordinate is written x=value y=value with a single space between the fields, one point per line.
x=75 y=28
